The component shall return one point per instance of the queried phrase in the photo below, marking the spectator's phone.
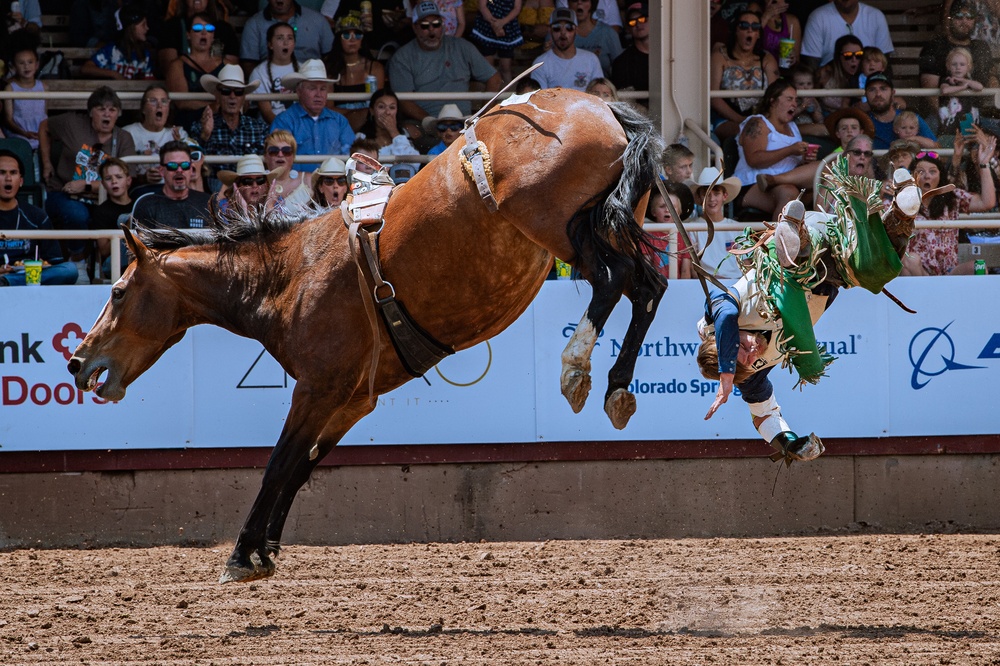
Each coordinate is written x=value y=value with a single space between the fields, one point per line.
x=965 y=125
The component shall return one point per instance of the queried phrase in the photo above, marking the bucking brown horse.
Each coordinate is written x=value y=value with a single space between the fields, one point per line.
x=568 y=172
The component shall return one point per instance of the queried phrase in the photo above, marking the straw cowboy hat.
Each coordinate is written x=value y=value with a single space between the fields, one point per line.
x=331 y=167
x=249 y=165
x=867 y=126
x=310 y=70
x=448 y=112
x=707 y=176
x=230 y=76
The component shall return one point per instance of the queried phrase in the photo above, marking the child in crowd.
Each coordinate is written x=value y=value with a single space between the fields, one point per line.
x=659 y=212
x=453 y=15
x=952 y=110
x=116 y=183
x=874 y=60
x=902 y=155
x=809 y=116
x=280 y=62
x=678 y=162
x=716 y=257
x=127 y=59
x=497 y=33
x=907 y=126
x=23 y=116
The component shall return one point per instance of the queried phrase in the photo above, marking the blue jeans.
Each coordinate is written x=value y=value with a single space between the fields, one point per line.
x=64 y=273
x=69 y=215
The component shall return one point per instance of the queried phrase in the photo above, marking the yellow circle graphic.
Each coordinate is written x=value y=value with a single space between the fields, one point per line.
x=478 y=379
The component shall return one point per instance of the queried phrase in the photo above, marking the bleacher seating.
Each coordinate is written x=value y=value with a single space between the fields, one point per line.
x=912 y=23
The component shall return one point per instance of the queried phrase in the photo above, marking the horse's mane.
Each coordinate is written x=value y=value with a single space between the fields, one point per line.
x=225 y=227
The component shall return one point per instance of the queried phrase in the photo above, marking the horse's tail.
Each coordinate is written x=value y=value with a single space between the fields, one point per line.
x=609 y=228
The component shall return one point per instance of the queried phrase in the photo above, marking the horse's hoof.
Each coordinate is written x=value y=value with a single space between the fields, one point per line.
x=620 y=406
x=241 y=572
x=575 y=385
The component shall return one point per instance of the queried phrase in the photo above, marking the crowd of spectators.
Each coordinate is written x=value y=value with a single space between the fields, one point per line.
x=785 y=53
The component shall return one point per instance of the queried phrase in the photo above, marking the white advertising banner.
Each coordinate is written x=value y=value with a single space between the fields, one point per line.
x=897 y=374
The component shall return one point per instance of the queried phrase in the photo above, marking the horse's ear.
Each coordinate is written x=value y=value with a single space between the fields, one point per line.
x=135 y=246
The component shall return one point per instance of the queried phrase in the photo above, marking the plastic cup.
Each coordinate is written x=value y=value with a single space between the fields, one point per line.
x=563 y=270
x=812 y=151
x=786 y=48
x=33 y=272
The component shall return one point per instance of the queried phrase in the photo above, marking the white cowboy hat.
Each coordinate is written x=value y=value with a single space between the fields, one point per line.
x=708 y=175
x=230 y=76
x=448 y=112
x=249 y=165
x=310 y=70
x=331 y=167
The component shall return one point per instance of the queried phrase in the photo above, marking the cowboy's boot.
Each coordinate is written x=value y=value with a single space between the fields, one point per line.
x=906 y=199
x=791 y=238
x=789 y=446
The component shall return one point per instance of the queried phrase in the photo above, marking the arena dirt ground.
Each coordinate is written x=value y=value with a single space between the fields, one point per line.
x=849 y=599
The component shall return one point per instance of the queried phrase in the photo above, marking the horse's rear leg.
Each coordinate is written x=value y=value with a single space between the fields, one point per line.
x=619 y=402
x=574 y=382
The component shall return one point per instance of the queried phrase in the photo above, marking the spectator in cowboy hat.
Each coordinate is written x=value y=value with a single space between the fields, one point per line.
x=318 y=130
x=229 y=131
x=447 y=125
x=716 y=257
x=251 y=180
x=846 y=123
x=329 y=183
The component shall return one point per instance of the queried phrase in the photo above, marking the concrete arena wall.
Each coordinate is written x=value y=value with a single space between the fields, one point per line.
x=510 y=501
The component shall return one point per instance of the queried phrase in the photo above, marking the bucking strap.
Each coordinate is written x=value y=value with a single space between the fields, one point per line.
x=473 y=154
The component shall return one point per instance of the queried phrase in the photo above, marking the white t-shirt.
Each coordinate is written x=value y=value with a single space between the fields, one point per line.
x=825 y=26
x=775 y=140
x=717 y=254
x=148 y=143
x=575 y=72
x=272 y=84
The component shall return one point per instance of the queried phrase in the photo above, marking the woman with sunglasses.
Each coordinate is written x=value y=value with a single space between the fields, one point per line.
x=351 y=67
x=841 y=72
x=382 y=125
x=935 y=251
x=184 y=74
x=329 y=184
x=279 y=157
x=742 y=65
x=174 y=40
x=280 y=62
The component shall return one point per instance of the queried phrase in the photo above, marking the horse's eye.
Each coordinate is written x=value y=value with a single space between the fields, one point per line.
x=117 y=293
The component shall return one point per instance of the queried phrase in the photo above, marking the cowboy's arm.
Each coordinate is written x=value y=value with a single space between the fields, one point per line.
x=725 y=313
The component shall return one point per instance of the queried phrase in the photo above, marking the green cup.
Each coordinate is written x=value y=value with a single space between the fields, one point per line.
x=33 y=272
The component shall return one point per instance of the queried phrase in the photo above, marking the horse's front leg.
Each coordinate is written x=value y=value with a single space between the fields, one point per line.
x=250 y=559
x=337 y=427
x=619 y=402
x=607 y=282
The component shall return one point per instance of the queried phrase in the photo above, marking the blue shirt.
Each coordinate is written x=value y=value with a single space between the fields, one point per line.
x=885 y=135
x=329 y=134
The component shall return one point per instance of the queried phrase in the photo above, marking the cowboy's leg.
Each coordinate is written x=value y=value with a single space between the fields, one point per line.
x=758 y=393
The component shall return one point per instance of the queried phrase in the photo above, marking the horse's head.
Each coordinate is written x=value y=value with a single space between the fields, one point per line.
x=142 y=319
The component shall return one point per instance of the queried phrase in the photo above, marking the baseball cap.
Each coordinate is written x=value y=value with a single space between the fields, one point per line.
x=425 y=9
x=637 y=9
x=878 y=77
x=562 y=15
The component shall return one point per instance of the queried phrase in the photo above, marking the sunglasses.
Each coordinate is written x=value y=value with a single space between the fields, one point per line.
x=561 y=27
x=353 y=34
x=427 y=25
x=851 y=55
x=742 y=25
x=857 y=152
x=174 y=166
x=280 y=150
x=203 y=27
x=226 y=92
x=927 y=153
x=639 y=20
x=249 y=181
x=962 y=15
x=333 y=180
x=196 y=155
x=450 y=127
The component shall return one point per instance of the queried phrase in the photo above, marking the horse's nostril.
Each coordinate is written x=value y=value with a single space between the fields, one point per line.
x=74 y=365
